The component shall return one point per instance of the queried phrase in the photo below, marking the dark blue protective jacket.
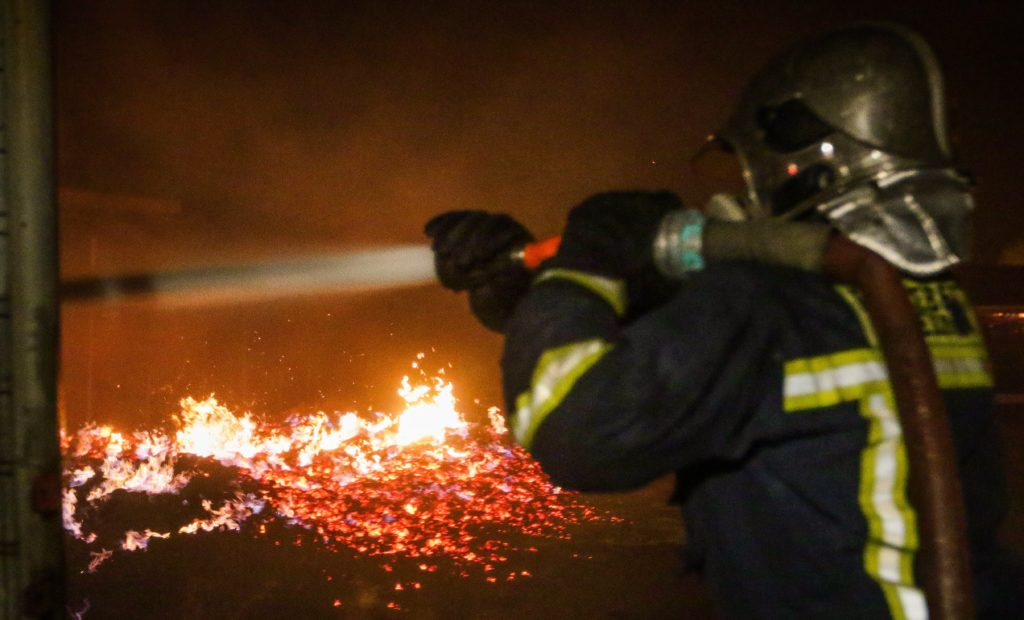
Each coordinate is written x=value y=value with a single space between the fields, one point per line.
x=764 y=390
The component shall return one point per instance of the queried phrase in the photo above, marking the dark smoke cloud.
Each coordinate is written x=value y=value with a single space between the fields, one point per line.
x=289 y=127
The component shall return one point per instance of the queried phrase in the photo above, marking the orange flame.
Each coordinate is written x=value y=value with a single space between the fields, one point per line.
x=425 y=483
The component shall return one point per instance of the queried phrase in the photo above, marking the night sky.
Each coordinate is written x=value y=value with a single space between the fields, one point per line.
x=192 y=131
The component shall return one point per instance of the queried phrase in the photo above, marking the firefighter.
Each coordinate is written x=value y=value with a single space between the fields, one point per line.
x=762 y=387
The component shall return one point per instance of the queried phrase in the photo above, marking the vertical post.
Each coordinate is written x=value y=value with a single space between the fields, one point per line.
x=31 y=550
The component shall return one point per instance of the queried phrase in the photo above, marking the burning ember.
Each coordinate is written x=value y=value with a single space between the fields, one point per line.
x=425 y=486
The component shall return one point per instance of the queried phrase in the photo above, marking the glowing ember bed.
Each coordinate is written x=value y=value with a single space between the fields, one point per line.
x=413 y=492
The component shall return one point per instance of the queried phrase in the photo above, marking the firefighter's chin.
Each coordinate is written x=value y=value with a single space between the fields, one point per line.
x=725 y=207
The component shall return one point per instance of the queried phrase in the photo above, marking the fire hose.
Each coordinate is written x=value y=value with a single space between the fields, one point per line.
x=934 y=479
x=934 y=482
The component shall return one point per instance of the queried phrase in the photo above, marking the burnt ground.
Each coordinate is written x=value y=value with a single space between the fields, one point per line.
x=629 y=569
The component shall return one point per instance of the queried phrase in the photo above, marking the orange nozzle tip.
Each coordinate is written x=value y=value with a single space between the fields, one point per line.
x=536 y=253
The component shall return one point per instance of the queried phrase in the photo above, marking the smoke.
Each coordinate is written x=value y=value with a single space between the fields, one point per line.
x=285 y=128
x=297 y=128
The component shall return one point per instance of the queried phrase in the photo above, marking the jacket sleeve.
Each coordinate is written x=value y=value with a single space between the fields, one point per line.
x=608 y=404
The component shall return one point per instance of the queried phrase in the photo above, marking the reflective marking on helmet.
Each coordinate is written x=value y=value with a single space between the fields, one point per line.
x=612 y=291
x=555 y=375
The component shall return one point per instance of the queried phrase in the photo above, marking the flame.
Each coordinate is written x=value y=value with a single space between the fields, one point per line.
x=425 y=484
x=427 y=415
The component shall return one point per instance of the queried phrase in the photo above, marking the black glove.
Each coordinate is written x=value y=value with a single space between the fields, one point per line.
x=612 y=235
x=472 y=252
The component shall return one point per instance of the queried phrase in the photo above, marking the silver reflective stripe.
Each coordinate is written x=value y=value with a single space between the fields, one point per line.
x=556 y=373
x=815 y=382
x=832 y=379
x=860 y=376
x=826 y=380
x=892 y=522
x=961 y=366
x=913 y=603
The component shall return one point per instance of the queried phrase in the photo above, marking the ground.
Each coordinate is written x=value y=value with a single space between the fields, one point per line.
x=626 y=568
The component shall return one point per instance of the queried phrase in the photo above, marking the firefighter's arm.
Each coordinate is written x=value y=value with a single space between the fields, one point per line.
x=606 y=401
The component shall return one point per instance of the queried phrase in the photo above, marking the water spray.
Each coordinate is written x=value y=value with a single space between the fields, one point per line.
x=370 y=269
x=383 y=268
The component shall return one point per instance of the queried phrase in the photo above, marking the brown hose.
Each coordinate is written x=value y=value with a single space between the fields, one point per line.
x=943 y=559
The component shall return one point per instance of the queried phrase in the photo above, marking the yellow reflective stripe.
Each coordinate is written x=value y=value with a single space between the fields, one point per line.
x=963 y=381
x=955 y=340
x=905 y=603
x=890 y=564
x=884 y=475
x=859 y=375
x=612 y=291
x=962 y=373
x=960 y=362
x=556 y=372
x=958 y=351
x=826 y=380
x=892 y=521
x=848 y=294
